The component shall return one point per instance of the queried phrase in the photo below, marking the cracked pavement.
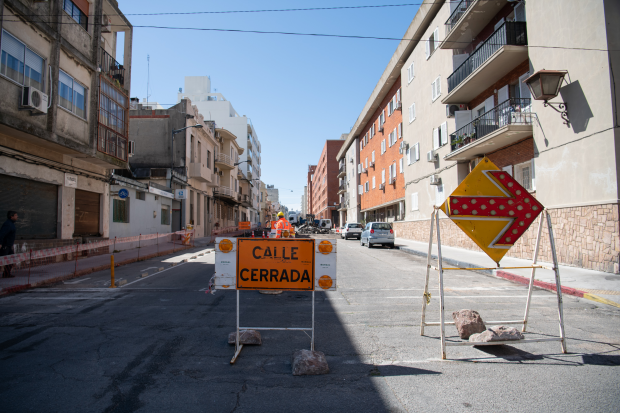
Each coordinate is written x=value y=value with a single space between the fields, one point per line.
x=160 y=344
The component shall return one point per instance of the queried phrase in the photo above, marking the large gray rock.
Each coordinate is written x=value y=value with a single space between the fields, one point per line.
x=306 y=362
x=468 y=322
x=496 y=333
x=245 y=337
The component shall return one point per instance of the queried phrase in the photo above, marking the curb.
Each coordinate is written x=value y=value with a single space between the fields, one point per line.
x=516 y=278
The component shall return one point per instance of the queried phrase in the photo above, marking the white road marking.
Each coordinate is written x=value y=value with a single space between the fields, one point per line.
x=204 y=289
x=68 y=298
x=482 y=296
x=75 y=282
x=148 y=268
x=156 y=273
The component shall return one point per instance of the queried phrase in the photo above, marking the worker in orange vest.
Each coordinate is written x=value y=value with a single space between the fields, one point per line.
x=283 y=227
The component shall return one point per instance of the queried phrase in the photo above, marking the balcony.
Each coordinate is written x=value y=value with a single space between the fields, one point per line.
x=224 y=161
x=111 y=68
x=342 y=188
x=199 y=171
x=498 y=55
x=342 y=171
x=225 y=192
x=249 y=141
x=249 y=158
x=215 y=179
x=507 y=123
x=245 y=200
x=343 y=205
x=468 y=20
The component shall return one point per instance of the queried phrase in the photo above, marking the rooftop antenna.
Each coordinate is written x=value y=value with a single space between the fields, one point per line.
x=148 y=77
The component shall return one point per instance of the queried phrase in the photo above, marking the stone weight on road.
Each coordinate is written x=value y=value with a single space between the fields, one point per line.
x=468 y=322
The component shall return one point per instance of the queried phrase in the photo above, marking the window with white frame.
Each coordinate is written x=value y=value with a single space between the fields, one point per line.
x=373 y=156
x=361 y=145
x=432 y=43
x=412 y=112
x=400 y=130
x=414 y=201
x=402 y=165
x=392 y=137
x=440 y=136
x=21 y=64
x=397 y=97
x=436 y=88
x=373 y=182
x=360 y=189
x=383 y=176
x=72 y=95
x=367 y=162
x=366 y=185
x=524 y=175
x=382 y=146
x=410 y=72
x=359 y=168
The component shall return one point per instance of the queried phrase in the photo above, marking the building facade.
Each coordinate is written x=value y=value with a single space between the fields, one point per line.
x=217 y=108
x=325 y=198
x=465 y=83
x=63 y=115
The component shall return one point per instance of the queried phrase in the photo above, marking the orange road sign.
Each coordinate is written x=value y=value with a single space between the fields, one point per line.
x=492 y=208
x=244 y=225
x=275 y=264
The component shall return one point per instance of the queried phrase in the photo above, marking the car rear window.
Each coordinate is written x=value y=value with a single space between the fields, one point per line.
x=355 y=226
x=381 y=225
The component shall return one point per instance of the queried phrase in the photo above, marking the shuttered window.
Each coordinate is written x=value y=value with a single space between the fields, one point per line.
x=410 y=72
x=120 y=211
x=87 y=213
x=412 y=112
x=414 y=201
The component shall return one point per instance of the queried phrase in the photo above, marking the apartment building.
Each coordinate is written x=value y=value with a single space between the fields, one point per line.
x=304 y=203
x=219 y=109
x=176 y=153
x=309 y=185
x=63 y=114
x=325 y=198
x=467 y=97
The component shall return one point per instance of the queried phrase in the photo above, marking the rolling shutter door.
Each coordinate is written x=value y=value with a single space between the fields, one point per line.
x=36 y=204
x=86 y=214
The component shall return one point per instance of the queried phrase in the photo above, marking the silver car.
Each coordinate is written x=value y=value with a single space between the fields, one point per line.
x=378 y=233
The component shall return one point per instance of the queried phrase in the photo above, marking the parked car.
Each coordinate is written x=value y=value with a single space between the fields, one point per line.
x=351 y=230
x=377 y=233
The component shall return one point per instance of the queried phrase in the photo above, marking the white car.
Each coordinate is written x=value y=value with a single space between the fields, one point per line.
x=351 y=230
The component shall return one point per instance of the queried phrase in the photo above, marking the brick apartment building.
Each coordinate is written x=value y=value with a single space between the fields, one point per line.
x=380 y=169
x=324 y=196
x=309 y=192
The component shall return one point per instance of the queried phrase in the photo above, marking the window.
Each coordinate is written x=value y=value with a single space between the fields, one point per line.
x=78 y=15
x=443 y=134
x=436 y=138
x=382 y=146
x=410 y=72
x=412 y=112
x=414 y=201
x=439 y=197
x=383 y=176
x=373 y=157
x=21 y=64
x=366 y=186
x=208 y=159
x=165 y=215
x=72 y=95
x=402 y=164
x=367 y=162
x=360 y=189
x=432 y=43
x=524 y=175
x=361 y=145
x=141 y=195
x=436 y=88
x=120 y=211
x=373 y=182
x=400 y=130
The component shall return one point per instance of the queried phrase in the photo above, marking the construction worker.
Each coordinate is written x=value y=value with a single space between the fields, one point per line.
x=283 y=227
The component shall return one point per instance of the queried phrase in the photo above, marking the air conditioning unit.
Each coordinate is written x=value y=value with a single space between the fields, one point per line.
x=106 y=24
x=435 y=180
x=431 y=156
x=392 y=180
x=450 y=109
x=399 y=105
x=371 y=163
x=381 y=128
x=403 y=147
x=132 y=148
x=34 y=99
x=364 y=170
x=381 y=186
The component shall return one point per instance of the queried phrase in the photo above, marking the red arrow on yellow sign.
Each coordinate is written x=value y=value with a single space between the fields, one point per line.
x=492 y=208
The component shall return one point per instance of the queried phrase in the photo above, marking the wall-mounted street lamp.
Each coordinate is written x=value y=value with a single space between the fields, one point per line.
x=238 y=163
x=545 y=85
x=174 y=132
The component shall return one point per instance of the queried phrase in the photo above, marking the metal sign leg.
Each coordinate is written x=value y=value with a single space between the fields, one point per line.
x=531 y=285
x=312 y=343
x=425 y=298
x=238 y=346
x=558 y=284
x=441 y=302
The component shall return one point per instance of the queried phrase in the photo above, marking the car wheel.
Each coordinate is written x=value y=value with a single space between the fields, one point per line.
x=391 y=246
x=361 y=242
x=368 y=245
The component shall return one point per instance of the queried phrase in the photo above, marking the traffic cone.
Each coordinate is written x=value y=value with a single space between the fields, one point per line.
x=252 y=234
x=263 y=234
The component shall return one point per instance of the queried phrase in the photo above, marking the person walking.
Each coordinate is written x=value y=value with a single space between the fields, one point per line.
x=283 y=227
x=7 y=239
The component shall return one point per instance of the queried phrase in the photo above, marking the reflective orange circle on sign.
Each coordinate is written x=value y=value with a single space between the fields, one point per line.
x=325 y=282
x=285 y=234
x=325 y=247
x=226 y=245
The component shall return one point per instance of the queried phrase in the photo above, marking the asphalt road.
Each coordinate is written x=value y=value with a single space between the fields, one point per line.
x=160 y=344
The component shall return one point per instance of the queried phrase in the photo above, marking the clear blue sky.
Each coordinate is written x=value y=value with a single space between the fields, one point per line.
x=298 y=91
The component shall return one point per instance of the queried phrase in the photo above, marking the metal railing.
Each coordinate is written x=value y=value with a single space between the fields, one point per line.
x=510 y=112
x=111 y=68
x=225 y=159
x=342 y=169
x=457 y=14
x=342 y=187
x=111 y=143
x=509 y=33
x=224 y=190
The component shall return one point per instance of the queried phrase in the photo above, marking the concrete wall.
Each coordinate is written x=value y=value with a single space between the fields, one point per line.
x=144 y=216
x=429 y=115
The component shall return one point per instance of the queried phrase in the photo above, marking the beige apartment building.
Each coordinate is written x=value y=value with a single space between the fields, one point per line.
x=464 y=97
x=64 y=100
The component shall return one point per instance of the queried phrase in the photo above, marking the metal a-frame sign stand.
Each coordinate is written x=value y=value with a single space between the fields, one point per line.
x=440 y=269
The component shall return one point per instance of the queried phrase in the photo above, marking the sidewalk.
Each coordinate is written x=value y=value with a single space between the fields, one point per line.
x=46 y=274
x=597 y=286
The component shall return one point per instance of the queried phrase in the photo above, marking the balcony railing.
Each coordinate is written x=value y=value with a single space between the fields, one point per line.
x=342 y=169
x=224 y=159
x=509 y=33
x=111 y=68
x=457 y=14
x=224 y=190
x=511 y=112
